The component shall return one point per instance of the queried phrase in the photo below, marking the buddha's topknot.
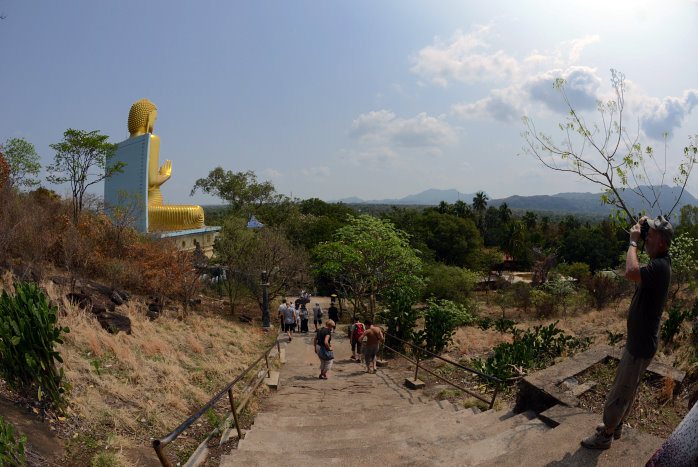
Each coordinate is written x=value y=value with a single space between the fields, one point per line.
x=138 y=116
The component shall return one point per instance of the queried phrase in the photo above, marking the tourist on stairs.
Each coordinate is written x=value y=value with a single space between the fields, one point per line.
x=323 y=349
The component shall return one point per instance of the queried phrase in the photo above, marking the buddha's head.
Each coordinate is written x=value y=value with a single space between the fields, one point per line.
x=141 y=118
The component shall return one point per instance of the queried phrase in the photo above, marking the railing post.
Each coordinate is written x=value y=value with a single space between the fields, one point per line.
x=161 y=454
x=235 y=412
x=266 y=358
x=416 y=367
x=494 y=396
x=278 y=349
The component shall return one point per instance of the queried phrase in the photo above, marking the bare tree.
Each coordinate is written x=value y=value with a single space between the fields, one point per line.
x=607 y=154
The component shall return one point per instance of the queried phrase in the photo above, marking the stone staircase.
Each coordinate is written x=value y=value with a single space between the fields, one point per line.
x=356 y=417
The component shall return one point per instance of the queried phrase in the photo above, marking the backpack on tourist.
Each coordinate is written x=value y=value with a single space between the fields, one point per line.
x=358 y=332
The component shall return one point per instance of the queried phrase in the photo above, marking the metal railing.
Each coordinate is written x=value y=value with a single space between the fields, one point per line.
x=418 y=351
x=159 y=444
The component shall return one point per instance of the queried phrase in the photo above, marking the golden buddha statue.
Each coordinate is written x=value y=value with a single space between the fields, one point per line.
x=141 y=120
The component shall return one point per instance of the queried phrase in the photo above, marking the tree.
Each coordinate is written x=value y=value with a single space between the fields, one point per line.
x=82 y=159
x=240 y=189
x=454 y=240
x=24 y=163
x=233 y=249
x=285 y=265
x=607 y=155
x=479 y=206
x=368 y=258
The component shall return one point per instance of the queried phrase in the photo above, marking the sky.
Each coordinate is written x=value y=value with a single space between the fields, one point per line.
x=332 y=99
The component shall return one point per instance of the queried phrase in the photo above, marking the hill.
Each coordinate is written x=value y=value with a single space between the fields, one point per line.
x=571 y=202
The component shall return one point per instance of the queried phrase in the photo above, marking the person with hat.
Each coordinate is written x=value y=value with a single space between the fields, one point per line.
x=643 y=321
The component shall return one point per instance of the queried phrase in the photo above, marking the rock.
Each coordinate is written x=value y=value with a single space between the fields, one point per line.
x=116 y=298
x=80 y=299
x=114 y=322
x=102 y=307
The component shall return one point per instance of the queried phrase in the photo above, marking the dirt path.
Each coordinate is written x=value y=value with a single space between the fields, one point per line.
x=43 y=444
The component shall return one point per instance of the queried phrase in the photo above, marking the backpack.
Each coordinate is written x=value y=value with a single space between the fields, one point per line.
x=358 y=332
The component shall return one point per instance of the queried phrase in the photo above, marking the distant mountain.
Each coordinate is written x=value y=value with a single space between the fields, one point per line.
x=590 y=203
x=427 y=198
x=576 y=203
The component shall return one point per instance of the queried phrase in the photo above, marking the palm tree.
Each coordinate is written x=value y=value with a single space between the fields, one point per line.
x=479 y=205
x=480 y=202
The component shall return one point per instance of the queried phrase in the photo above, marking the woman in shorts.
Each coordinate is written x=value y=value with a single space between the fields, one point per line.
x=322 y=346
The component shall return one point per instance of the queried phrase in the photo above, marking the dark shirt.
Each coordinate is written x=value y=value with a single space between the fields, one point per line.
x=321 y=333
x=647 y=305
x=333 y=313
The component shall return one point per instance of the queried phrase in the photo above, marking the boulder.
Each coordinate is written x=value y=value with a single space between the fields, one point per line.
x=114 y=322
x=102 y=307
x=116 y=298
x=82 y=300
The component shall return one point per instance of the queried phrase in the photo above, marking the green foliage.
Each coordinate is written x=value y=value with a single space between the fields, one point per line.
x=441 y=319
x=530 y=349
x=576 y=270
x=449 y=282
x=11 y=449
x=24 y=162
x=672 y=326
x=82 y=159
x=368 y=258
x=400 y=317
x=543 y=302
x=241 y=190
x=683 y=263
x=561 y=291
x=453 y=240
x=604 y=288
x=614 y=337
x=28 y=335
x=503 y=325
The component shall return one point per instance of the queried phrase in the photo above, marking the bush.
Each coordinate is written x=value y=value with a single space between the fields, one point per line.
x=11 y=450
x=672 y=325
x=543 y=302
x=578 y=271
x=441 y=318
x=449 y=283
x=521 y=295
x=530 y=349
x=605 y=289
x=28 y=335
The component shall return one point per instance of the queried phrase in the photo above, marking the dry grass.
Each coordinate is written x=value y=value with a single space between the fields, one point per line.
x=140 y=386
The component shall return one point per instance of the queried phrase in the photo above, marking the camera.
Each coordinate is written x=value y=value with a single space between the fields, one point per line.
x=644 y=228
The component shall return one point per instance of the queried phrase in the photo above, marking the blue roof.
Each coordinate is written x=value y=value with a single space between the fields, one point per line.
x=254 y=223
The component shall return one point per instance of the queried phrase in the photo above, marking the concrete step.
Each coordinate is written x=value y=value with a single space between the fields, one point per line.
x=437 y=421
x=474 y=427
x=560 y=445
x=346 y=416
x=496 y=444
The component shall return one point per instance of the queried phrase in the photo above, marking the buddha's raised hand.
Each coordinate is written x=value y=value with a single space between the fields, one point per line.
x=164 y=173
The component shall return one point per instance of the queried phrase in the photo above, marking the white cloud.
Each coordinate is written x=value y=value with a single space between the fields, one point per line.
x=501 y=105
x=667 y=114
x=508 y=104
x=582 y=87
x=577 y=46
x=323 y=171
x=382 y=127
x=272 y=173
x=458 y=60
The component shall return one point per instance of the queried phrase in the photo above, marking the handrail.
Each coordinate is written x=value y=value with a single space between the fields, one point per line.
x=494 y=379
x=159 y=444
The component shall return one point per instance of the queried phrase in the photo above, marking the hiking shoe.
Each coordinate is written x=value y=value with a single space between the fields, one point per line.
x=598 y=441
x=323 y=376
x=616 y=434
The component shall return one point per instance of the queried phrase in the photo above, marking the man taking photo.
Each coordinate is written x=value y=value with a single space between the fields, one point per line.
x=644 y=317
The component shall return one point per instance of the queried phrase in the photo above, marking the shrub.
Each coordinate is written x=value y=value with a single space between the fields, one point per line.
x=578 y=271
x=543 y=301
x=449 y=283
x=672 y=325
x=441 y=318
x=28 y=335
x=530 y=349
x=604 y=289
x=11 y=450
x=521 y=295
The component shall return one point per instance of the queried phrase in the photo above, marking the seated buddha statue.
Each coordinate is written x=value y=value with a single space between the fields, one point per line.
x=141 y=120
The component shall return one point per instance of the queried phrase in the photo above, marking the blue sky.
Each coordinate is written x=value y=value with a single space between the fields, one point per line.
x=330 y=99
